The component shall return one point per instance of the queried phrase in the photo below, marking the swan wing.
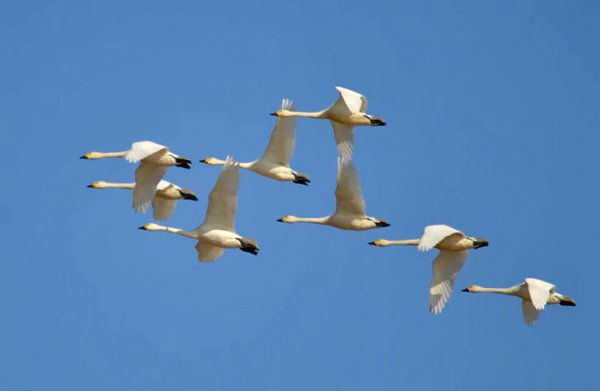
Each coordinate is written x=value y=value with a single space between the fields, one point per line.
x=163 y=185
x=344 y=138
x=162 y=208
x=446 y=267
x=222 y=201
x=348 y=196
x=147 y=178
x=530 y=313
x=433 y=234
x=207 y=252
x=143 y=149
x=283 y=138
x=356 y=103
x=539 y=292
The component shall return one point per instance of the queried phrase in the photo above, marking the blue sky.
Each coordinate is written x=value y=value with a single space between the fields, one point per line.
x=492 y=111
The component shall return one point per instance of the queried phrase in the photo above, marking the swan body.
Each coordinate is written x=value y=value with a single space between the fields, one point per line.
x=350 y=205
x=346 y=113
x=275 y=162
x=453 y=246
x=165 y=199
x=154 y=160
x=217 y=233
x=535 y=294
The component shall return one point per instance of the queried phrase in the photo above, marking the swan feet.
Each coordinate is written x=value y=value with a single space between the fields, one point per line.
x=248 y=246
x=300 y=179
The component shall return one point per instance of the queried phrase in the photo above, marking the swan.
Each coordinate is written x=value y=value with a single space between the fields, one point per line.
x=165 y=198
x=534 y=294
x=346 y=113
x=350 y=205
x=275 y=162
x=217 y=232
x=453 y=246
x=154 y=160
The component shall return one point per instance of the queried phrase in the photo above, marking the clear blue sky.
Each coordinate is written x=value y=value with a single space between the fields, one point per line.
x=493 y=122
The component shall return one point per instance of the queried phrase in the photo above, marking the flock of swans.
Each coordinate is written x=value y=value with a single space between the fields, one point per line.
x=217 y=232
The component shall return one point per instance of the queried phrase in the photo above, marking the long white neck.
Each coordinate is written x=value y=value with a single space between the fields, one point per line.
x=313 y=220
x=102 y=155
x=248 y=165
x=109 y=185
x=408 y=242
x=503 y=291
x=213 y=161
x=316 y=114
x=178 y=231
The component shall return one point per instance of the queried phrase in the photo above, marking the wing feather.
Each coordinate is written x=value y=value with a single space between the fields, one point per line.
x=147 y=177
x=344 y=138
x=539 y=292
x=356 y=103
x=433 y=234
x=283 y=138
x=222 y=201
x=143 y=149
x=207 y=252
x=163 y=208
x=348 y=195
x=446 y=267
x=530 y=313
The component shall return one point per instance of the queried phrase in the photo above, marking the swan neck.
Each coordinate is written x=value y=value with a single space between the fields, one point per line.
x=247 y=165
x=407 y=242
x=314 y=220
x=102 y=155
x=177 y=231
x=316 y=114
x=502 y=291
x=109 y=185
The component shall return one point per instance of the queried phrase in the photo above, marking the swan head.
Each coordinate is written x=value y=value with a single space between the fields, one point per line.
x=288 y=219
x=282 y=113
x=96 y=185
x=90 y=156
x=479 y=242
x=377 y=242
x=187 y=194
x=212 y=161
x=472 y=289
x=150 y=227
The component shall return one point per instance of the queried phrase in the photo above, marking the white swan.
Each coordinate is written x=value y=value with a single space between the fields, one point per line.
x=165 y=198
x=453 y=246
x=154 y=160
x=350 y=205
x=217 y=232
x=275 y=162
x=346 y=113
x=534 y=294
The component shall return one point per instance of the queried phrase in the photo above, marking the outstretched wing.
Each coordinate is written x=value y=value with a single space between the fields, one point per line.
x=147 y=177
x=356 y=103
x=446 y=267
x=344 y=138
x=222 y=201
x=283 y=138
x=207 y=252
x=348 y=196
x=530 y=314
x=539 y=291
x=143 y=149
x=434 y=234
x=162 y=208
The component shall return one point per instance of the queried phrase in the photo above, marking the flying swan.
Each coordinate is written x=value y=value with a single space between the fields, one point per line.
x=217 y=232
x=534 y=294
x=346 y=113
x=154 y=160
x=275 y=162
x=165 y=198
x=350 y=205
x=453 y=246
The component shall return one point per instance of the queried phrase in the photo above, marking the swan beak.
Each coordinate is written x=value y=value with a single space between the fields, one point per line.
x=142 y=227
x=374 y=243
x=205 y=161
x=84 y=156
x=276 y=114
x=91 y=186
x=281 y=220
